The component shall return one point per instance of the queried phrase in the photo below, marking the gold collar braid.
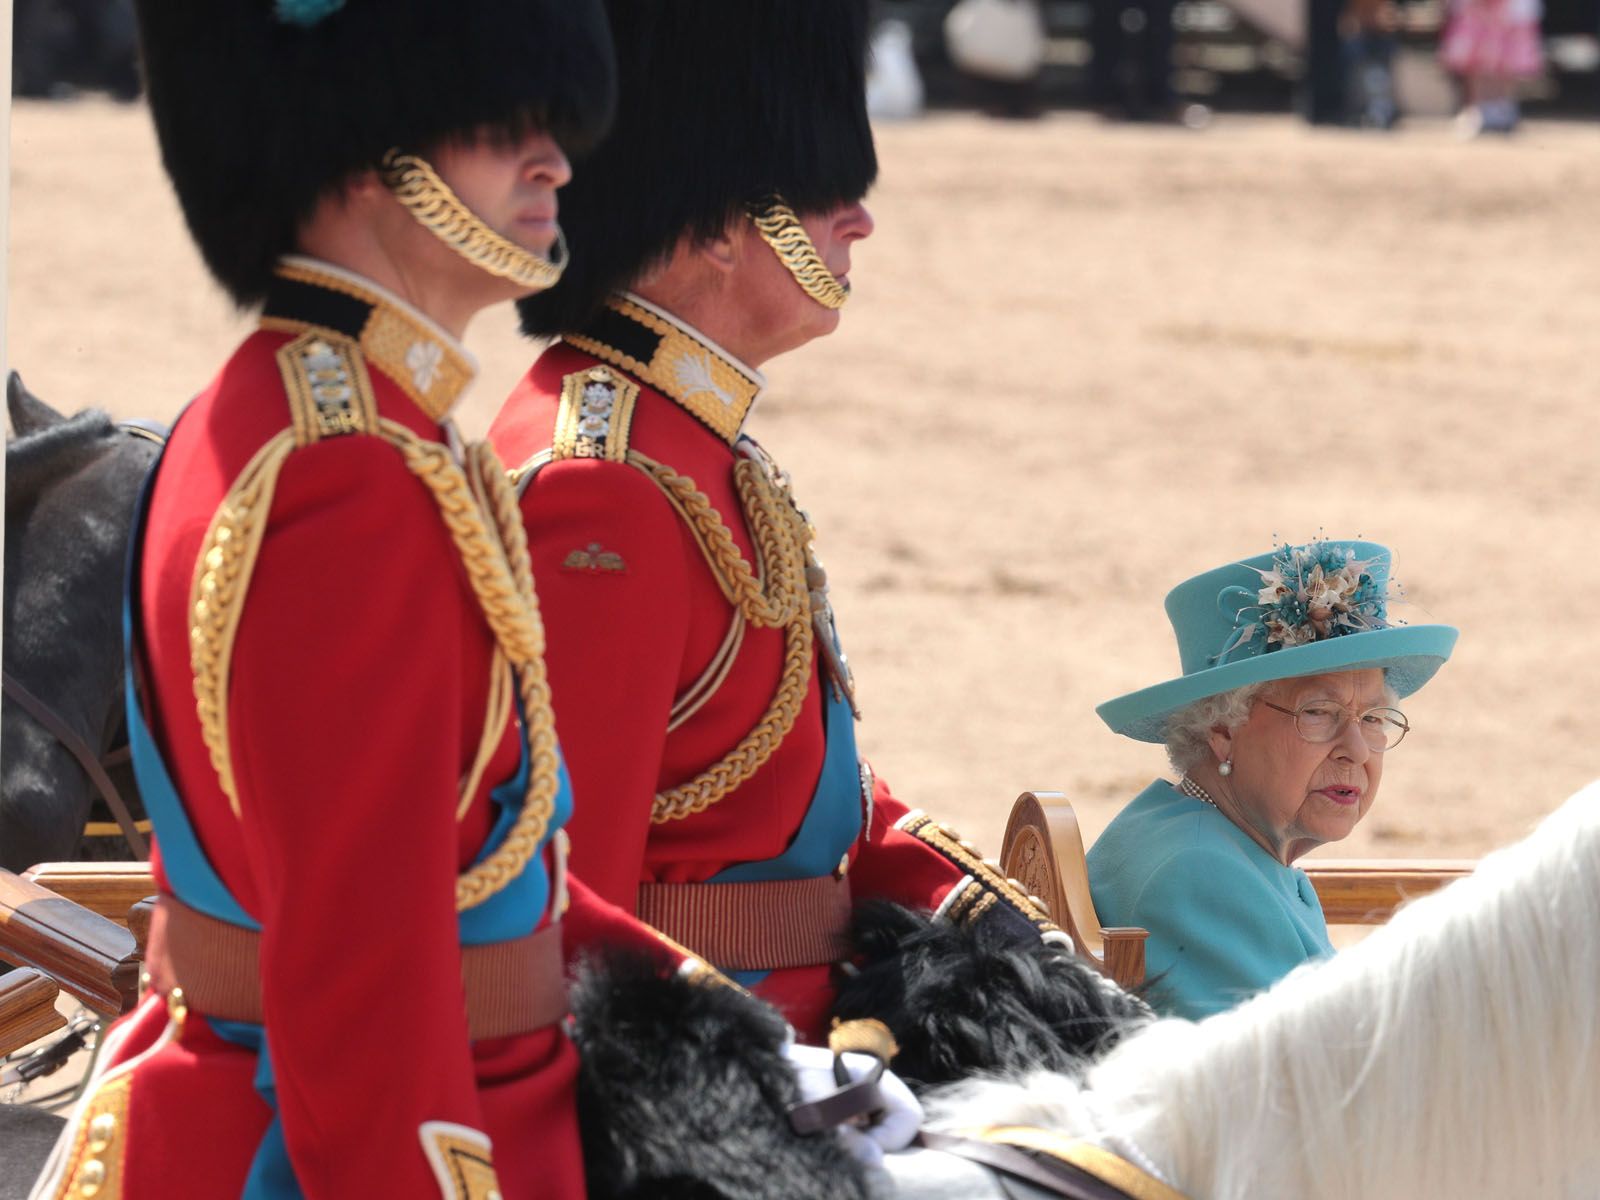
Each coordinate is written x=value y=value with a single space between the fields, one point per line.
x=681 y=363
x=431 y=201
x=781 y=229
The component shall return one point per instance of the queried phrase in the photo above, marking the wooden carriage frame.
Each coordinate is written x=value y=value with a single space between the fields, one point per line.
x=1043 y=851
x=79 y=927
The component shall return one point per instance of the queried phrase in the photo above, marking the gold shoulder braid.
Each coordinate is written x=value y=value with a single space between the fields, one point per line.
x=501 y=572
x=479 y=509
x=777 y=597
x=216 y=596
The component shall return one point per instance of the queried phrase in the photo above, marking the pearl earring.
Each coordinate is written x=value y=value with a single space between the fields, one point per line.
x=1225 y=767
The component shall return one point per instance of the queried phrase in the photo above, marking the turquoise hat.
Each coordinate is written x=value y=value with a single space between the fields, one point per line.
x=1301 y=610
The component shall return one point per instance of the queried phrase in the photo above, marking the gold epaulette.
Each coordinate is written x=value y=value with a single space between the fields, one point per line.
x=329 y=390
x=594 y=416
x=330 y=395
x=984 y=887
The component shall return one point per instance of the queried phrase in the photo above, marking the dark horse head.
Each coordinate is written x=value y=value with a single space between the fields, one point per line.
x=71 y=486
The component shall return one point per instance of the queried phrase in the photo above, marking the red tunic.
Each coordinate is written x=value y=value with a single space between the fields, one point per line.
x=363 y=737
x=638 y=620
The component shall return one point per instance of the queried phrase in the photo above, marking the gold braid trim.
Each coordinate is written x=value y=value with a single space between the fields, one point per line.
x=429 y=199
x=94 y=1163
x=500 y=571
x=782 y=601
x=480 y=511
x=781 y=229
x=988 y=885
x=779 y=534
x=216 y=597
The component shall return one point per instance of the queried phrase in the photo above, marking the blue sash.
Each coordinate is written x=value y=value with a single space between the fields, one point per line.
x=832 y=823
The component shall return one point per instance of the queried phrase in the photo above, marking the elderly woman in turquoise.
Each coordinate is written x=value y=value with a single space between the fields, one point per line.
x=1278 y=728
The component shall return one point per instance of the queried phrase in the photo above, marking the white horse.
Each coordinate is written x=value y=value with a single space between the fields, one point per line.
x=1453 y=1053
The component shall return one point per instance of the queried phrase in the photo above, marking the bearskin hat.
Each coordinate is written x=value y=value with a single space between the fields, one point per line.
x=721 y=103
x=263 y=106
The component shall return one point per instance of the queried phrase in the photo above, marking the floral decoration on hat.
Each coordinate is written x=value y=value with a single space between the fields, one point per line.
x=1315 y=591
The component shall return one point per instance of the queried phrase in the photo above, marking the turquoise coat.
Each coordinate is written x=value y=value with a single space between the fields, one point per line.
x=1226 y=919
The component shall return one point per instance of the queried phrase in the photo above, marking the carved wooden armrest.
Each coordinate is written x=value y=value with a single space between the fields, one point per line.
x=1043 y=850
x=1367 y=891
x=138 y=922
x=27 y=1009
x=87 y=955
x=107 y=888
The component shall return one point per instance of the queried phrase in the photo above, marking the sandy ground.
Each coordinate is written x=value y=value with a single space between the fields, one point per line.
x=1083 y=363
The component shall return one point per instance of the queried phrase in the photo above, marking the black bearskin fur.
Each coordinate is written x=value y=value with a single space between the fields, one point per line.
x=721 y=103
x=259 y=118
x=962 y=999
x=683 y=1094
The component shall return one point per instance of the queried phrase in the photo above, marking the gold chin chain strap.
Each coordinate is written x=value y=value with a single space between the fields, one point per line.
x=480 y=510
x=781 y=229
x=773 y=595
x=431 y=201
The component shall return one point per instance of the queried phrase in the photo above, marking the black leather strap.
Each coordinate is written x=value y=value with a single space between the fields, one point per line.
x=79 y=749
x=855 y=1100
x=1056 y=1177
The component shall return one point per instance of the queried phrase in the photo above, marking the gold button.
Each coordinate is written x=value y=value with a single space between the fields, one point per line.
x=101 y=1130
x=91 y=1177
x=843 y=867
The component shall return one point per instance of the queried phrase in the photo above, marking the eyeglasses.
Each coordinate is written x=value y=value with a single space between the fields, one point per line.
x=1322 y=720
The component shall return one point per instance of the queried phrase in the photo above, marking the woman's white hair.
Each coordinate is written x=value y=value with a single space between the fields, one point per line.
x=1188 y=730
x=1454 y=1052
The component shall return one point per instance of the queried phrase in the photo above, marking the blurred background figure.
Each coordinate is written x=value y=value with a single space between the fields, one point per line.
x=61 y=47
x=1000 y=46
x=894 y=86
x=1363 y=63
x=1369 y=45
x=1492 y=45
x=1322 y=88
x=1130 y=73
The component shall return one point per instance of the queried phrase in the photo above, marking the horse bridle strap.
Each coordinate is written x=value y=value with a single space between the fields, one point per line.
x=87 y=759
x=1065 y=1167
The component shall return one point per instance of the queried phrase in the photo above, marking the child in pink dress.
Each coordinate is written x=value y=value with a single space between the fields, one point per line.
x=1492 y=44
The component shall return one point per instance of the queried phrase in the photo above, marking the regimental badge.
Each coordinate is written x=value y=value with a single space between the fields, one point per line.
x=594 y=560
x=330 y=393
x=595 y=414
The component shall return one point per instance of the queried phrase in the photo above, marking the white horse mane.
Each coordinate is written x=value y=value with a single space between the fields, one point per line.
x=1454 y=1052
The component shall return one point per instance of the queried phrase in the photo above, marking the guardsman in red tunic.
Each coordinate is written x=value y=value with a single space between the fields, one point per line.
x=345 y=736
x=703 y=699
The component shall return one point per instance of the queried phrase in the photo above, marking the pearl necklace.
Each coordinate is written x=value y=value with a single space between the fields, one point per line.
x=1190 y=788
